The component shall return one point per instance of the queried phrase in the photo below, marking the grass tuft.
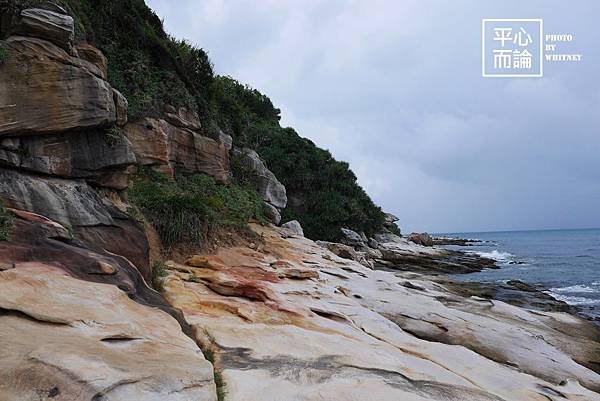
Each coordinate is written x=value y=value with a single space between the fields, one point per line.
x=7 y=220
x=159 y=272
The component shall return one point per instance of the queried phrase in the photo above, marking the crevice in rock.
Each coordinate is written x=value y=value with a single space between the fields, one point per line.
x=30 y=317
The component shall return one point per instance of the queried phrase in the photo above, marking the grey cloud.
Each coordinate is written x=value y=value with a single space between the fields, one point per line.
x=394 y=88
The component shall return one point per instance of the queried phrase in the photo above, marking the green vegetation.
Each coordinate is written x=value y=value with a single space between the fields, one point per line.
x=219 y=382
x=188 y=208
x=7 y=220
x=159 y=271
x=150 y=69
x=3 y=53
x=113 y=135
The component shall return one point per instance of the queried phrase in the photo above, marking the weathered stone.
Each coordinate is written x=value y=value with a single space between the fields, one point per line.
x=373 y=243
x=359 y=334
x=58 y=93
x=226 y=140
x=150 y=143
x=71 y=339
x=182 y=118
x=272 y=213
x=268 y=186
x=71 y=203
x=91 y=155
x=168 y=148
x=121 y=106
x=295 y=227
x=190 y=153
x=55 y=27
x=421 y=239
x=94 y=56
x=351 y=238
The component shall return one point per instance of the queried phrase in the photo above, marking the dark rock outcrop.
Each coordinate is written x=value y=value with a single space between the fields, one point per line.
x=91 y=155
x=73 y=203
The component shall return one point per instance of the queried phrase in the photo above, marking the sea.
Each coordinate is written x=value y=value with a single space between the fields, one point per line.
x=565 y=263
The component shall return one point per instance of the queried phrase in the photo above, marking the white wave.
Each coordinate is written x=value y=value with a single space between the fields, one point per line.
x=575 y=300
x=574 y=288
x=496 y=255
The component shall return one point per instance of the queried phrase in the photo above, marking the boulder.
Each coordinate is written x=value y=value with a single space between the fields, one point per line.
x=372 y=243
x=90 y=155
x=421 y=239
x=58 y=93
x=267 y=185
x=389 y=223
x=50 y=25
x=295 y=227
x=347 y=252
x=351 y=238
x=150 y=144
x=272 y=213
x=94 y=56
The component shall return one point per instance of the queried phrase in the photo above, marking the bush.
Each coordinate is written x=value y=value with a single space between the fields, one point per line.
x=188 y=208
x=7 y=220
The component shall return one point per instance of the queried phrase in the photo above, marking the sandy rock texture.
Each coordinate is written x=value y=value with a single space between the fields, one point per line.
x=80 y=325
x=291 y=320
x=64 y=91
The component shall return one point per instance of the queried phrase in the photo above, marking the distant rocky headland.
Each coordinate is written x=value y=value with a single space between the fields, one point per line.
x=162 y=237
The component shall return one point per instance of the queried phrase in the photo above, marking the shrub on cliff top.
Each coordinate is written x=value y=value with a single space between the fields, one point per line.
x=151 y=68
x=188 y=208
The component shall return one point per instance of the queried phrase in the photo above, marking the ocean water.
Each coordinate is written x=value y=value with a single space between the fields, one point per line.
x=565 y=262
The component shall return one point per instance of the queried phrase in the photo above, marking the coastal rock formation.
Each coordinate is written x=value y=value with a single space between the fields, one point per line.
x=295 y=227
x=90 y=155
x=168 y=148
x=66 y=92
x=57 y=27
x=97 y=343
x=270 y=189
x=421 y=239
x=73 y=203
x=347 y=332
x=399 y=253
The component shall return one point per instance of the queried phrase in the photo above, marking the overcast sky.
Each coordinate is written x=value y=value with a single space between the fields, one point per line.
x=395 y=89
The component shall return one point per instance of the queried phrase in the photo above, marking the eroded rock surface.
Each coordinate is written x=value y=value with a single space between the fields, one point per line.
x=69 y=339
x=267 y=185
x=168 y=148
x=336 y=330
x=58 y=92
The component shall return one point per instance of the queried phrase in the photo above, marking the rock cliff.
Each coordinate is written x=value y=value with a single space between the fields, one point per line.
x=93 y=306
